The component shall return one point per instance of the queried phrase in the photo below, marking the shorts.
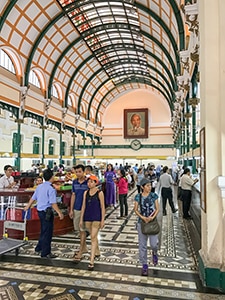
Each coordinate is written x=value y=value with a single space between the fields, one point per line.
x=76 y=221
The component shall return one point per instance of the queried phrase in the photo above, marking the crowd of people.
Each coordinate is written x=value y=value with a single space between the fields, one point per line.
x=89 y=202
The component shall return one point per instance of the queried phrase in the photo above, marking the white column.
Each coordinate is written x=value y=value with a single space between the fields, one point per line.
x=212 y=87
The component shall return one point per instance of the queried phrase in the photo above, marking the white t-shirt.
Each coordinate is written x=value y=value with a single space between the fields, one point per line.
x=5 y=181
x=186 y=182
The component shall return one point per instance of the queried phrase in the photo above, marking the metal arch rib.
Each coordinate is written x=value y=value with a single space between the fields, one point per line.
x=100 y=103
x=151 y=77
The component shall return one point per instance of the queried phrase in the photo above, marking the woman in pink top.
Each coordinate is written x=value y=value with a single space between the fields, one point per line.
x=122 y=184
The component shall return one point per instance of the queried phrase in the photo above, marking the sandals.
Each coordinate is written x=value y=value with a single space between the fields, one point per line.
x=77 y=258
x=91 y=267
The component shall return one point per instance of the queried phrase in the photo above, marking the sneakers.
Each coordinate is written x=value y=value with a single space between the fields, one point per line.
x=154 y=258
x=144 y=271
x=50 y=255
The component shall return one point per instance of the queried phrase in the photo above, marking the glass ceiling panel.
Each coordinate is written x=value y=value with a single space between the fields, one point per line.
x=122 y=62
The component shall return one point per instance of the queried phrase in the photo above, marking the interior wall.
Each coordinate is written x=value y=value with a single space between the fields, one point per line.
x=159 y=116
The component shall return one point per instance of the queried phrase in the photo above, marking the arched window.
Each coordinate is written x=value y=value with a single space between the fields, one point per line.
x=36 y=145
x=99 y=120
x=51 y=147
x=83 y=110
x=70 y=101
x=92 y=115
x=6 y=62
x=55 y=92
x=33 y=79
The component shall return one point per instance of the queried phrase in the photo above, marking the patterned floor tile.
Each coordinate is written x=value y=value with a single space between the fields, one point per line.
x=117 y=273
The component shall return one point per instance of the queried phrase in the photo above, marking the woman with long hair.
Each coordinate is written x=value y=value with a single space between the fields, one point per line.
x=122 y=184
x=110 y=192
x=93 y=215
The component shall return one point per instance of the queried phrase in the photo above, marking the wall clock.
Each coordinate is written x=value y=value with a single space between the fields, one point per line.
x=135 y=144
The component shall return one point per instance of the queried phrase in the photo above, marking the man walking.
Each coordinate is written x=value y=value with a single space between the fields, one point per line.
x=78 y=188
x=165 y=182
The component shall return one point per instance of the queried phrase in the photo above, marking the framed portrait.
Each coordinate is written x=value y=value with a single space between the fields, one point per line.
x=203 y=170
x=135 y=123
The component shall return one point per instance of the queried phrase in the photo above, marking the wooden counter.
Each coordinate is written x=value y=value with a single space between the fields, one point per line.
x=19 y=198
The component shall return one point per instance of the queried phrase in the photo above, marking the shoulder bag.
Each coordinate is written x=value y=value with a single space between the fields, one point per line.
x=150 y=228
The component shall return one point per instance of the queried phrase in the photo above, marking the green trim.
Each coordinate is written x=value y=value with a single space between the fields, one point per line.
x=38 y=40
x=142 y=32
x=129 y=147
x=71 y=129
x=73 y=76
x=31 y=115
x=122 y=83
x=18 y=141
x=211 y=277
x=152 y=85
x=150 y=76
x=180 y=23
x=43 y=145
x=57 y=64
x=55 y=123
x=108 y=49
x=6 y=12
x=165 y=28
x=174 y=85
x=175 y=71
x=14 y=110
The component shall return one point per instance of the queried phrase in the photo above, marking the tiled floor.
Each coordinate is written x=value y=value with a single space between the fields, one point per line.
x=117 y=271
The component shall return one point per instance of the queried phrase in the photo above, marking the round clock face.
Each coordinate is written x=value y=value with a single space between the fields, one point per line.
x=135 y=144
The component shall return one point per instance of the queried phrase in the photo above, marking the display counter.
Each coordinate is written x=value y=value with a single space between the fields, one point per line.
x=13 y=201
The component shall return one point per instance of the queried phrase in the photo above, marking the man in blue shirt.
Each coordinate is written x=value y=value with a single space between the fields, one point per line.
x=78 y=189
x=45 y=195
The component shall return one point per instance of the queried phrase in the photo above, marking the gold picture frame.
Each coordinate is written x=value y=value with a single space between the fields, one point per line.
x=136 y=123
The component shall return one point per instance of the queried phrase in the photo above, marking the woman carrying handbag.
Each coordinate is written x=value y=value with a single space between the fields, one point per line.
x=146 y=207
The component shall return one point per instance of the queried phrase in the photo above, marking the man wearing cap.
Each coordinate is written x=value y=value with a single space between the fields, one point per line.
x=7 y=180
x=79 y=186
x=165 y=182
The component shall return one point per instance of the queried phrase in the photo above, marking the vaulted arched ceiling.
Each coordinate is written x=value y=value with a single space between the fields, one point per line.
x=97 y=49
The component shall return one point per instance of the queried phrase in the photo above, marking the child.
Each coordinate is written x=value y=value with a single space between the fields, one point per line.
x=93 y=214
x=122 y=184
x=146 y=207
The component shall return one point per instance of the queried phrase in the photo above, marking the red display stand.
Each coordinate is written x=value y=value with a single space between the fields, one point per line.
x=20 y=198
